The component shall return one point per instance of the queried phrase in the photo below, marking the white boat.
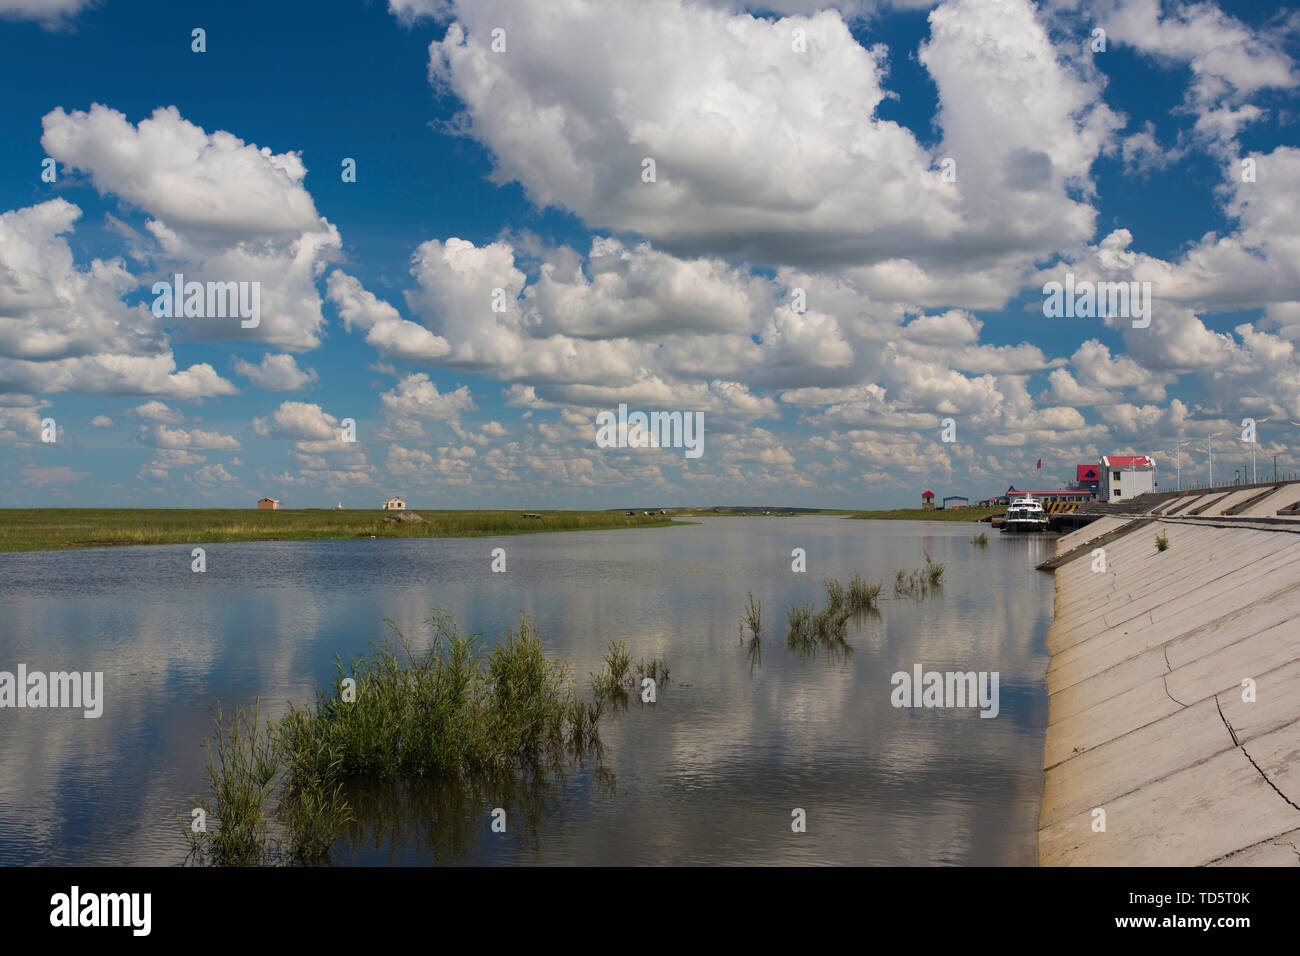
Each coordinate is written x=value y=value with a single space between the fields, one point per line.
x=1025 y=514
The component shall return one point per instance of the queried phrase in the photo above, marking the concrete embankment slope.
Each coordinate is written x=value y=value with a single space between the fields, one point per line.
x=1147 y=720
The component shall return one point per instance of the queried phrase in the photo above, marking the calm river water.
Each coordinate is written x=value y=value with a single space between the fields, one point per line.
x=708 y=774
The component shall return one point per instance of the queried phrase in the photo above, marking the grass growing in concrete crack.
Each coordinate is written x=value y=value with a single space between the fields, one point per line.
x=1162 y=541
x=453 y=714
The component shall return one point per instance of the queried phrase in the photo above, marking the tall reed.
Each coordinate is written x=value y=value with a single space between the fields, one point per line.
x=752 y=617
x=452 y=714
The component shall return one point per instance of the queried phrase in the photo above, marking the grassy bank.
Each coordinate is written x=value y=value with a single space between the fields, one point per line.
x=57 y=529
x=918 y=514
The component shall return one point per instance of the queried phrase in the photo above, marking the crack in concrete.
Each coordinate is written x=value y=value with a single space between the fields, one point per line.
x=1227 y=723
x=1165 y=682
x=1257 y=767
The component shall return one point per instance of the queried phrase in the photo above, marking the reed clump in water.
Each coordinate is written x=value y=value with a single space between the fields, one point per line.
x=830 y=624
x=752 y=619
x=242 y=770
x=614 y=683
x=810 y=630
x=834 y=595
x=799 y=617
x=933 y=570
x=980 y=540
x=920 y=582
x=861 y=595
x=453 y=714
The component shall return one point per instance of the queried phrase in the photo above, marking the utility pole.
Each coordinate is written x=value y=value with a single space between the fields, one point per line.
x=1254 y=476
x=1178 y=461
x=1209 y=450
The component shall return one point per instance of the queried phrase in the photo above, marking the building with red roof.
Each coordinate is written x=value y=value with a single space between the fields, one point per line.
x=1088 y=477
x=927 y=500
x=1126 y=476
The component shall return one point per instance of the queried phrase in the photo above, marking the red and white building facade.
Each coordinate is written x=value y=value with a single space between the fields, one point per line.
x=1126 y=476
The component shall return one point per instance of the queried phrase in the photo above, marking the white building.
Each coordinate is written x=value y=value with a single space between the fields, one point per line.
x=1126 y=476
x=394 y=503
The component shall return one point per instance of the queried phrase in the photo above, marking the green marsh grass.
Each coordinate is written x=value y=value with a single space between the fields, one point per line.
x=799 y=618
x=861 y=595
x=809 y=630
x=242 y=771
x=834 y=595
x=933 y=570
x=55 y=529
x=920 y=582
x=752 y=618
x=456 y=714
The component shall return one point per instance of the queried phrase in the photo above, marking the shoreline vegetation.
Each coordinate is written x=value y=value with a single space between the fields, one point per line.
x=65 y=529
x=62 y=529
x=461 y=715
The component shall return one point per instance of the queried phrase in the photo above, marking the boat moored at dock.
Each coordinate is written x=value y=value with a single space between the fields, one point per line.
x=1025 y=514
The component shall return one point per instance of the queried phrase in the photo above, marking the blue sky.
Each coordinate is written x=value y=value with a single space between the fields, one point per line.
x=521 y=169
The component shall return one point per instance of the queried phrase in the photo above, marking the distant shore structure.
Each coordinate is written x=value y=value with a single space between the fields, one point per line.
x=1114 y=478
x=395 y=503
x=1088 y=478
x=1126 y=476
x=268 y=504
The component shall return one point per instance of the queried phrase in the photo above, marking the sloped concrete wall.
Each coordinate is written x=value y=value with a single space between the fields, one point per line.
x=1147 y=721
